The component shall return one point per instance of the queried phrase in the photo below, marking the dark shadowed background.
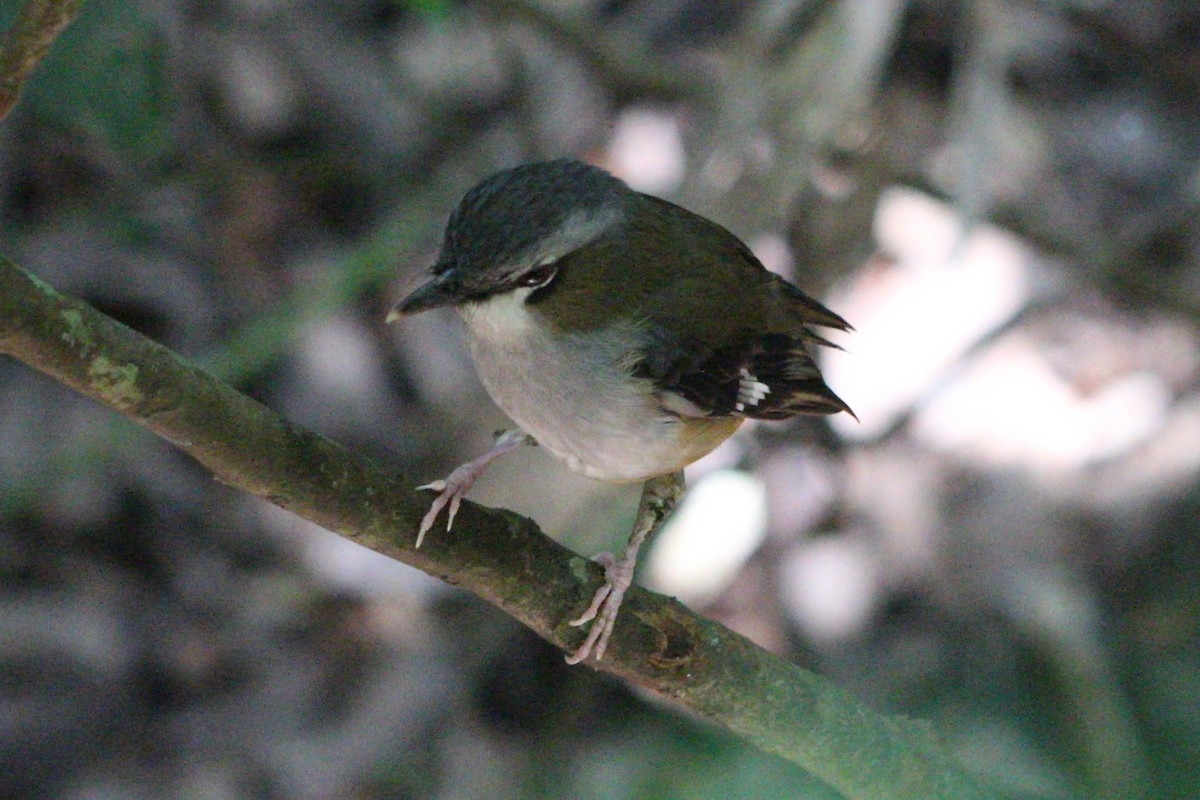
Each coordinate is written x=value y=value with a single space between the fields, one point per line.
x=1001 y=195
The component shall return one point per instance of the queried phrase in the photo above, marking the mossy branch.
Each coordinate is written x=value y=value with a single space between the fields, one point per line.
x=501 y=557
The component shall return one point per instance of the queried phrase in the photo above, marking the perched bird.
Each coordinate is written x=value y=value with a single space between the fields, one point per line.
x=626 y=335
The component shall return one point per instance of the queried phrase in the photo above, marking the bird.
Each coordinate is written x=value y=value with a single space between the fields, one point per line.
x=624 y=334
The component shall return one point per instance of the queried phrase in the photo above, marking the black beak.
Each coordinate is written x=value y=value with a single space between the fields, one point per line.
x=443 y=290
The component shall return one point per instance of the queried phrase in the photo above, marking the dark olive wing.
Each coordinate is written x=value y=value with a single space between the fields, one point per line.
x=729 y=337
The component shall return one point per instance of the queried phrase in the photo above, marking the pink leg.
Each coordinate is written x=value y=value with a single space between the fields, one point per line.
x=454 y=486
x=659 y=497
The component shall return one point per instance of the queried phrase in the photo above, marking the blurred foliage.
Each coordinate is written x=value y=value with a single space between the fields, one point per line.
x=105 y=80
x=252 y=183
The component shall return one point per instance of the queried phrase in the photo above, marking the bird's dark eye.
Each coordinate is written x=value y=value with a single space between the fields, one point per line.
x=538 y=276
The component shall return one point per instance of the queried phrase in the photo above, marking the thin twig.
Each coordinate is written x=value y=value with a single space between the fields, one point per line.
x=27 y=42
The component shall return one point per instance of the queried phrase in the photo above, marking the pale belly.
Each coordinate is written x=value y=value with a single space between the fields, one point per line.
x=576 y=397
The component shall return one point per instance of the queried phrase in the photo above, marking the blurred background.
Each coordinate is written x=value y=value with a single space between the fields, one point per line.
x=1001 y=195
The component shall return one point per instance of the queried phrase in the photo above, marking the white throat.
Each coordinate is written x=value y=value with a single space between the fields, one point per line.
x=502 y=319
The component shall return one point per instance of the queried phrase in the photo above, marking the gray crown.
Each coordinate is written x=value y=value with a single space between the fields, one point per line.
x=508 y=217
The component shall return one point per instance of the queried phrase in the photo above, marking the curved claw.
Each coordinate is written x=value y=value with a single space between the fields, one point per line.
x=602 y=612
x=597 y=600
x=596 y=643
x=455 y=502
x=608 y=561
x=455 y=486
x=451 y=491
x=432 y=514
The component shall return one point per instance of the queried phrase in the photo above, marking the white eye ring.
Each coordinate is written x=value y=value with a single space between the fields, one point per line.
x=539 y=276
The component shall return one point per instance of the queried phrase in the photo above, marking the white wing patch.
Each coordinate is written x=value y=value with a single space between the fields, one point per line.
x=751 y=390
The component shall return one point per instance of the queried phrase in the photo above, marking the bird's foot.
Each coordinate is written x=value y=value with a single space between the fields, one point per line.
x=455 y=486
x=602 y=613
x=451 y=491
x=660 y=495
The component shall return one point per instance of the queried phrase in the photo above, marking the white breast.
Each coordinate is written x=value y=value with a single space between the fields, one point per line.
x=574 y=393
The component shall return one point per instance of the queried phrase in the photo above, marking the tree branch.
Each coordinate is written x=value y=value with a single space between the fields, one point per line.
x=503 y=558
x=26 y=43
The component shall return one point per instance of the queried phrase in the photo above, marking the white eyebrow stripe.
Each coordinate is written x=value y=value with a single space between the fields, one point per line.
x=577 y=230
